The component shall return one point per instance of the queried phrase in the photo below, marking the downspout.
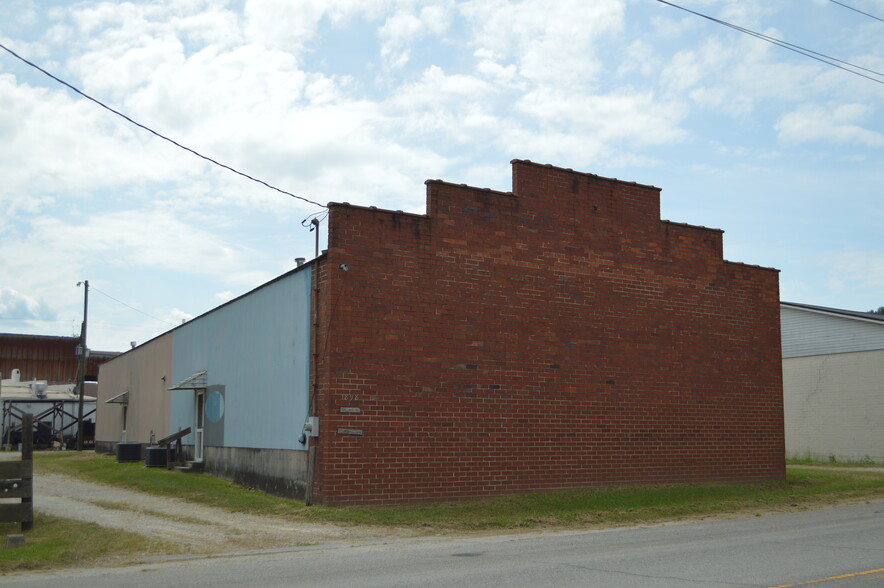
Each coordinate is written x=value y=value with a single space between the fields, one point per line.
x=311 y=451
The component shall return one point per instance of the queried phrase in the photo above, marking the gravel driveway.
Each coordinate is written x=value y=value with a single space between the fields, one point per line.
x=198 y=529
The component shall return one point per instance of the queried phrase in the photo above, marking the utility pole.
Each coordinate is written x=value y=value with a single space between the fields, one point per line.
x=83 y=353
x=314 y=226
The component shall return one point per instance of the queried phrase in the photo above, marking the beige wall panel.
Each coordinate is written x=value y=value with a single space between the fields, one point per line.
x=834 y=406
x=144 y=372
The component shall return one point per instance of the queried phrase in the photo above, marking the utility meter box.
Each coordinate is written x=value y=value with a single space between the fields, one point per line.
x=311 y=426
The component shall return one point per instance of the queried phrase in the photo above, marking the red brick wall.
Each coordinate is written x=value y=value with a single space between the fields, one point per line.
x=558 y=337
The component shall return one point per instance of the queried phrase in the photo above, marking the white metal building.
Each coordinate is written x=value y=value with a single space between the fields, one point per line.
x=833 y=383
x=54 y=407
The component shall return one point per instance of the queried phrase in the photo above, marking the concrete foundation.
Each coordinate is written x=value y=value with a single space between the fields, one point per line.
x=105 y=446
x=276 y=471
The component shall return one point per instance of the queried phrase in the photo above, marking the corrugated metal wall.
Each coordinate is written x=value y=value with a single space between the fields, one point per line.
x=144 y=373
x=46 y=358
x=256 y=352
x=806 y=333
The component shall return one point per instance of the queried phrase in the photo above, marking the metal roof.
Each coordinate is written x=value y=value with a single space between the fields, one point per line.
x=47 y=357
x=869 y=316
x=194 y=382
x=119 y=398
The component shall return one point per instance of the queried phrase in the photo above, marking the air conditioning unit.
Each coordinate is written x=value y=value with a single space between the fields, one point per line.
x=39 y=389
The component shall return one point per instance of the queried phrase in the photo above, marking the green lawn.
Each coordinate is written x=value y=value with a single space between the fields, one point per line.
x=866 y=462
x=804 y=487
x=62 y=543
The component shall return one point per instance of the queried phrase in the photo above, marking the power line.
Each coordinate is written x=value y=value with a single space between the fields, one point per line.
x=821 y=57
x=149 y=130
x=856 y=10
x=319 y=216
x=132 y=307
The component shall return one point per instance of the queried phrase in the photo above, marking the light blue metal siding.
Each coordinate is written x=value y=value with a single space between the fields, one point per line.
x=257 y=348
x=181 y=409
x=808 y=332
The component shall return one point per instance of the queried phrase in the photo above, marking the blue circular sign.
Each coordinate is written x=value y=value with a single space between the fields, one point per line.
x=214 y=406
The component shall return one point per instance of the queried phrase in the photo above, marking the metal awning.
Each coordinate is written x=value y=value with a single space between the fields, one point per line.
x=119 y=398
x=194 y=382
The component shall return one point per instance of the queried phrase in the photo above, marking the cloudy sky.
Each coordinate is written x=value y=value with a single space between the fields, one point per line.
x=362 y=100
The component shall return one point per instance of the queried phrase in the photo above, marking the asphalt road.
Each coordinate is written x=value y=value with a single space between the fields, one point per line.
x=828 y=548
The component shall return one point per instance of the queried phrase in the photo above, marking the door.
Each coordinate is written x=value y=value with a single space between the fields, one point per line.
x=125 y=419
x=200 y=424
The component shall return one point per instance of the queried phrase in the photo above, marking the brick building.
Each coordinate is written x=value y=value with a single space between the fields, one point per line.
x=558 y=336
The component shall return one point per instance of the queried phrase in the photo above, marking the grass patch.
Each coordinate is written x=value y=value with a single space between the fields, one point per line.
x=126 y=507
x=196 y=488
x=626 y=505
x=59 y=543
x=640 y=504
x=866 y=462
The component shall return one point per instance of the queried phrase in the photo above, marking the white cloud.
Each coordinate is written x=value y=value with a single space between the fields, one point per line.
x=24 y=12
x=496 y=177
x=457 y=106
x=286 y=25
x=669 y=27
x=249 y=106
x=436 y=87
x=549 y=42
x=52 y=145
x=178 y=316
x=201 y=99
x=566 y=148
x=134 y=239
x=746 y=13
x=641 y=57
x=111 y=71
x=225 y=296
x=838 y=125
x=289 y=25
x=726 y=72
x=733 y=77
x=404 y=27
x=213 y=27
x=20 y=306
x=639 y=118
x=504 y=76
x=861 y=270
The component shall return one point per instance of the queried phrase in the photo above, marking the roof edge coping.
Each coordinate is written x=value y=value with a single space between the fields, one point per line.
x=589 y=175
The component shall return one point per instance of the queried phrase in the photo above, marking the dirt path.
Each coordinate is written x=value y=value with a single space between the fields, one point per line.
x=198 y=529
